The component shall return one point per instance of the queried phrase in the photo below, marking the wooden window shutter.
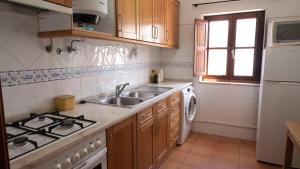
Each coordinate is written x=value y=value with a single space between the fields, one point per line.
x=200 y=58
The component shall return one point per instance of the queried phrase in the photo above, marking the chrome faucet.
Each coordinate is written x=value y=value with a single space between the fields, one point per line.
x=120 y=88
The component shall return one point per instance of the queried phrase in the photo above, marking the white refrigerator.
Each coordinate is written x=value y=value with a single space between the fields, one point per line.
x=279 y=102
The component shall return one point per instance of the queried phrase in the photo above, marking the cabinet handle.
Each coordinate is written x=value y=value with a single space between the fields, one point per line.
x=157 y=133
x=156 y=37
x=153 y=32
x=167 y=35
x=120 y=27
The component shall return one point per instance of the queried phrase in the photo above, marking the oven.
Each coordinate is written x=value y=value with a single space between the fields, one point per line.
x=96 y=161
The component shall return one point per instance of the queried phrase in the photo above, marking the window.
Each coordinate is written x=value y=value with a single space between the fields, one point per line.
x=234 y=47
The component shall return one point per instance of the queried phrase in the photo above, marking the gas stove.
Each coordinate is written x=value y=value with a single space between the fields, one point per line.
x=39 y=130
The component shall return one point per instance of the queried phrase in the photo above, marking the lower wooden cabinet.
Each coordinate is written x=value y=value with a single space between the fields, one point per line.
x=121 y=145
x=146 y=145
x=144 y=140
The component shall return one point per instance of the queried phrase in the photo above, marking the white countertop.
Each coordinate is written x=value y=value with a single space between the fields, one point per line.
x=105 y=115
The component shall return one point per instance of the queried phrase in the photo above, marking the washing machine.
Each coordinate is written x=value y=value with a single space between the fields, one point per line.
x=188 y=113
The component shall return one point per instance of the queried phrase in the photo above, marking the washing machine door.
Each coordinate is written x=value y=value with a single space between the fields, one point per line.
x=191 y=107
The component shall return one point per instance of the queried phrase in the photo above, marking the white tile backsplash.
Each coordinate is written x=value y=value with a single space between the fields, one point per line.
x=33 y=77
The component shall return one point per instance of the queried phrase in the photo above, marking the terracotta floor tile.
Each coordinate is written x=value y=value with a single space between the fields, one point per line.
x=186 y=147
x=202 y=150
x=177 y=156
x=198 y=161
x=224 y=163
x=170 y=165
x=192 y=138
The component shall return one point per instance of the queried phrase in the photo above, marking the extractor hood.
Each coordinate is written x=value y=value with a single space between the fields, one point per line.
x=44 y=5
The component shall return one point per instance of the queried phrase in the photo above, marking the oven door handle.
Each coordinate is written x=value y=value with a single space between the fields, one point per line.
x=93 y=161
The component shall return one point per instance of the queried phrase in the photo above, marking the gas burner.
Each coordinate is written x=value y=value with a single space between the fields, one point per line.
x=20 y=141
x=39 y=130
x=42 y=118
x=68 y=123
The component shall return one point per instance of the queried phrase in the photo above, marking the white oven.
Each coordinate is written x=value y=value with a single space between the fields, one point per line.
x=284 y=31
x=97 y=161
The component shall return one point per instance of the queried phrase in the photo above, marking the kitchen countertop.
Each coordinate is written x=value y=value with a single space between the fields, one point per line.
x=294 y=132
x=105 y=115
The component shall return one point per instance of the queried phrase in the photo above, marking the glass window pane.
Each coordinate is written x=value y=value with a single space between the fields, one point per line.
x=218 y=34
x=243 y=63
x=245 y=32
x=217 y=62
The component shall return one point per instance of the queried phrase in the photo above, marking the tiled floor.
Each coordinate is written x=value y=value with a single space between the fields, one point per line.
x=213 y=152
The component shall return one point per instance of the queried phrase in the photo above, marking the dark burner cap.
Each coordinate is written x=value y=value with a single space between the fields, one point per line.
x=20 y=141
x=68 y=123
x=42 y=118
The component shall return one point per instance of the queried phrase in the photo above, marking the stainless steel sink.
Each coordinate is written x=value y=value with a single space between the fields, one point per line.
x=121 y=101
x=130 y=98
x=140 y=95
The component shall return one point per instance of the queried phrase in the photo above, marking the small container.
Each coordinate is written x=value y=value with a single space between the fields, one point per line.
x=65 y=102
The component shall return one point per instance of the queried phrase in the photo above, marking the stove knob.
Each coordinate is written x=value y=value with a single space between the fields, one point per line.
x=57 y=166
x=83 y=153
x=75 y=158
x=91 y=148
x=98 y=144
x=67 y=163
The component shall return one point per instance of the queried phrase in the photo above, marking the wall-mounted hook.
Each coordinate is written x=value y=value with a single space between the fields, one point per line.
x=49 y=48
x=71 y=48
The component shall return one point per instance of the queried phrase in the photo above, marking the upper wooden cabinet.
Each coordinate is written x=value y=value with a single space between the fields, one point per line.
x=127 y=19
x=121 y=145
x=146 y=20
x=67 y=3
x=159 y=21
x=172 y=26
x=153 y=21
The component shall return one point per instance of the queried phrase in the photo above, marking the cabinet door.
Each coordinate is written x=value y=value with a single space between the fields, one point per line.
x=159 y=21
x=146 y=20
x=172 y=14
x=127 y=18
x=121 y=144
x=161 y=136
x=146 y=146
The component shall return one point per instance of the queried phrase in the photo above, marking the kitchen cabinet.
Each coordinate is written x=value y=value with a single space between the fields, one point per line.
x=172 y=22
x=146 y=139
x=121 y=144
x=147 y=30
x=159 y=21
x=145 y=22
x=127 y=18
x=174 y=123
x=152 y=21
x=4 y=162
x=162 y=132
x=67 y=3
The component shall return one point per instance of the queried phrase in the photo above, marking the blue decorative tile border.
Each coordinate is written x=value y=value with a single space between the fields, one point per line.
x=21 y=77
x=178 y=64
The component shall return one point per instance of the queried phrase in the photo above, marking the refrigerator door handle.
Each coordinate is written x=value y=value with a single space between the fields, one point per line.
x=283 y=82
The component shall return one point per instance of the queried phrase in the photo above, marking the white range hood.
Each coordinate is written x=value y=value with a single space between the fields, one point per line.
x=44 y=5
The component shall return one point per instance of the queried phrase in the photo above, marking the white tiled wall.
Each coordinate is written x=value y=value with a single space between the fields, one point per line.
x=21 y=49
x=227 y=110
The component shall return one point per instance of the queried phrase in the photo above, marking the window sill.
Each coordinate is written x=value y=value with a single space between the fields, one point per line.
x=229 y=83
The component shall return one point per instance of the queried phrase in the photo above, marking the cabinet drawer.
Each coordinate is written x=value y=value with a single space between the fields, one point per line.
x=145 y=116
x=175 y=98
x=162 y=105
x=174 y=109
x=174 y=121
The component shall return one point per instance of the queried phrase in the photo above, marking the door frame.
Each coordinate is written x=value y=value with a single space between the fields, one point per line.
x=4 y=162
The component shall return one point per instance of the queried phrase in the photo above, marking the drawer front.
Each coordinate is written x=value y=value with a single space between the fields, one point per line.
x=145 y=116
x=174 y=121
x=175 y=98
x=162 y=105
x=174 y=109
